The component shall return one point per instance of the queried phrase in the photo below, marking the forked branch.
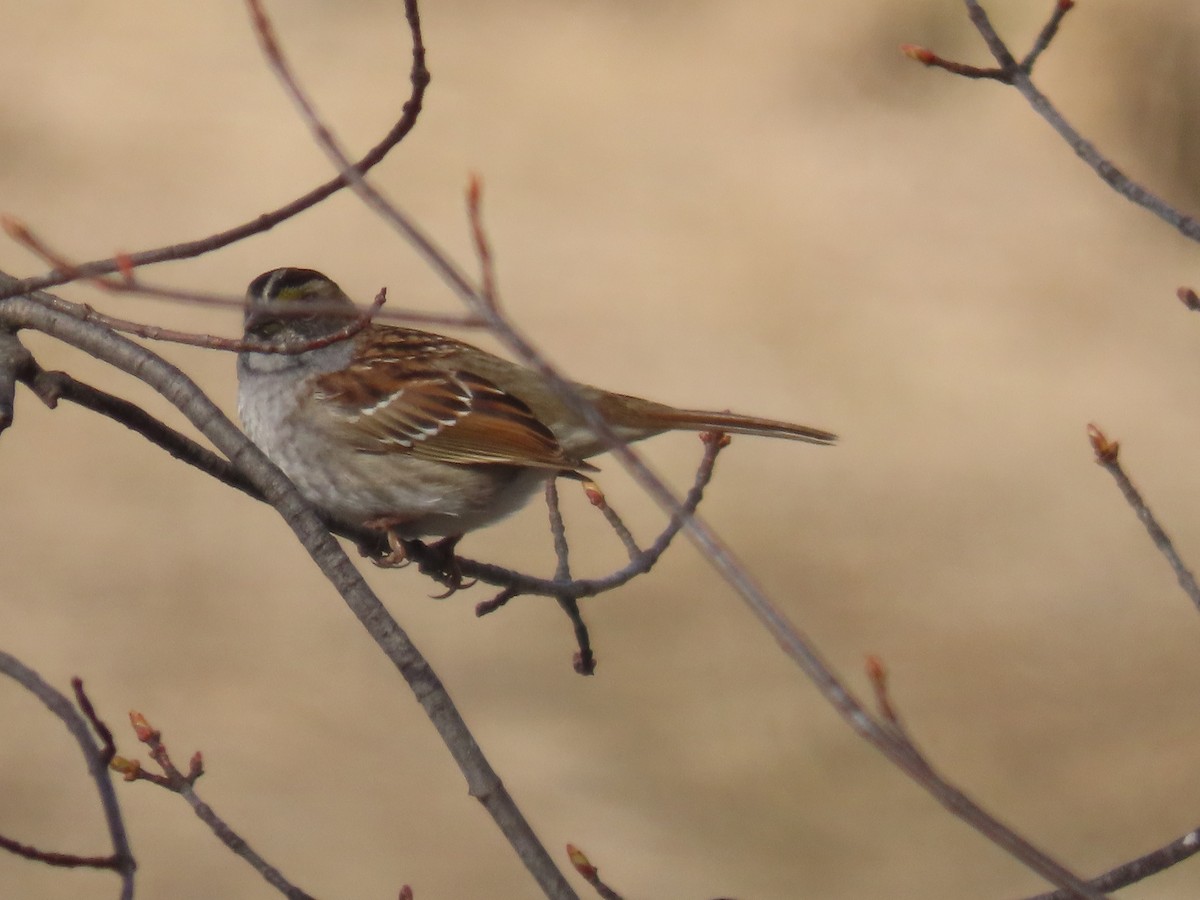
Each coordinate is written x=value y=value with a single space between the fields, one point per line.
x=85 y=726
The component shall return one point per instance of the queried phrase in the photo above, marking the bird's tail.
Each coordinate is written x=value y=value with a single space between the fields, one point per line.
x=643 y=415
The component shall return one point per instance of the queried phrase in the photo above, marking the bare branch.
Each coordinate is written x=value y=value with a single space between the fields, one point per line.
x=121 y=860
x=1107 y=455
x=483 y=250
x=482 y=780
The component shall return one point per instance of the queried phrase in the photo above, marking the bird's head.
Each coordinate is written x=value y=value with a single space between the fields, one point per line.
x=295 y=303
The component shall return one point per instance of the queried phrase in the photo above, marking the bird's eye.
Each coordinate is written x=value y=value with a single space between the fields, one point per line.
x=269 y=329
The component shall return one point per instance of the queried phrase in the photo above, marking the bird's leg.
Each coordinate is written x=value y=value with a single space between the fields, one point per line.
x=438 y=560
x=398 y=557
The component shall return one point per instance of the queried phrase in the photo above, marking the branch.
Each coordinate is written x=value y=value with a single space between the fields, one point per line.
x=717 y=554
x=1107 y=456
x=585 y=660
x=97 y=758
x=482 y=780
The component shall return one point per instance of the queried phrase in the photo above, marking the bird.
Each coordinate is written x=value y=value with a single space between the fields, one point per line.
x=416 y=434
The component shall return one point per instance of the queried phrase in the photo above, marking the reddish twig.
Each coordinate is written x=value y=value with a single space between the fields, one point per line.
x=1108 y=456
x=483 y=250
x=60 y=860
x=108 y=747
x=590 y=873
x=927 y=57
x=1047 y=34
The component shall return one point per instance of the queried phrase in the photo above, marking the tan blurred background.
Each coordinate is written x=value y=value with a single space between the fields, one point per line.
x=761 y=206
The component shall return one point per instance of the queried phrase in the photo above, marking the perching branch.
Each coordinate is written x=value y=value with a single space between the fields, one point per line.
x=717 y=554
x=483 y=782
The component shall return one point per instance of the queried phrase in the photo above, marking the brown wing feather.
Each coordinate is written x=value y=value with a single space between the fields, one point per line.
x=434 y=413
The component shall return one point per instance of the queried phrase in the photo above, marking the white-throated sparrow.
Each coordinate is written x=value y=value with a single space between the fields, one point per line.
x=416 y=433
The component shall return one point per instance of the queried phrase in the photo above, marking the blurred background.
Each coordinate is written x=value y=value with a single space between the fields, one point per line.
x=762 y=206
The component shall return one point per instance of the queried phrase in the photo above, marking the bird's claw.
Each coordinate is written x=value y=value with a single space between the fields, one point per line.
x=442 y=565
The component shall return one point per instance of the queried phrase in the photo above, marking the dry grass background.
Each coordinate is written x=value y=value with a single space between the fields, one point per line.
x=760 y=206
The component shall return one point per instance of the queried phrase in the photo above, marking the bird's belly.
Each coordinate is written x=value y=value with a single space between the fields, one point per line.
x=417 y=496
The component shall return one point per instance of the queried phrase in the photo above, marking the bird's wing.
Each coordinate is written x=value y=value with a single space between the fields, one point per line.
x=381 y=405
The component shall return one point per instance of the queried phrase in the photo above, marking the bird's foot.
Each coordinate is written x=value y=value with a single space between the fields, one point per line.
x=443 y=565
x=398 y=557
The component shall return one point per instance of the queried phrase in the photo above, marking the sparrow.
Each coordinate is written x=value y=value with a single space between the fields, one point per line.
x=418 y=434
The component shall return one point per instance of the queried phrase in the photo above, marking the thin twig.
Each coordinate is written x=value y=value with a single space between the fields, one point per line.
x=590 y=873
x=1108 y=456
x=585 y=660
x=927 y=57
x=483 y=250
x=1047 y=34
x=562 y=551
x=616 y=523
x=57 y=859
